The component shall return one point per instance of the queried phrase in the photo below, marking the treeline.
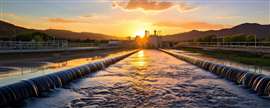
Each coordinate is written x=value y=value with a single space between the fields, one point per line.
x=34 y=36
x=233 y=38
x=43 y=37
x=29 y=36
x=90 y=41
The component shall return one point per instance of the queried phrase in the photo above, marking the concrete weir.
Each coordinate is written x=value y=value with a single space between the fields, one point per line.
x=33 y=87
x=258 y=83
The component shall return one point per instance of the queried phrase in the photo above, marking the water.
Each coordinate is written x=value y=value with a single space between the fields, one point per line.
x=150 y=78
x=30 y=69
x=251 y=68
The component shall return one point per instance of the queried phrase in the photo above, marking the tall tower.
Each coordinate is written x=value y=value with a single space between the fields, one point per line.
x=155 y=32
x=146 y=33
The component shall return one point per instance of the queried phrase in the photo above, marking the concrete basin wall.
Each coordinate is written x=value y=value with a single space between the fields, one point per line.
x=33 y=87
x=258 y=83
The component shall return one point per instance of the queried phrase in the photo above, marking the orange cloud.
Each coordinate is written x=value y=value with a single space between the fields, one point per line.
x=203 y=25
x=227 y=17
x=168 y=24
x=61 y=20
x=152 y=5
x=192 y=25
x=184 y=7
x=143 y=4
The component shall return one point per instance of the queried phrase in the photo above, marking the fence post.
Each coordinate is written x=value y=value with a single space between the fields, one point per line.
x=255 y=41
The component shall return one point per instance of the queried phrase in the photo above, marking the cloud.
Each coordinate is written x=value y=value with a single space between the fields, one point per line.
x=203 y=25
x=11 y=15
x=227 y=17
x=167 y=24
x=78 y=19
x=184 y=7
x=61 y=20
x=143 y=4
x=191 y=25
x=152 y=5
x=87 y=16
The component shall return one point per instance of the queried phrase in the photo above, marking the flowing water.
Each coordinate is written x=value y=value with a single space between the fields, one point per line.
x=37 y=68
x=252 y=68
x=150 y=78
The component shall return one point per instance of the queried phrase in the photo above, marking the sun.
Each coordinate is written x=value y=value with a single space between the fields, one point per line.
x=138 y=28
x=139 y=33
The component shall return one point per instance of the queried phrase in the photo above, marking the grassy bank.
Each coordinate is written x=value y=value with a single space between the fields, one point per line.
x=245 y=58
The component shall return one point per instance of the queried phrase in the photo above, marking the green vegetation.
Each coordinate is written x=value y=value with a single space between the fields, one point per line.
x=250 y=59
x=233 y=38
x=88 y=41
x=240 y=38
x=267 y=39
x=33 y=36
x=209 y=38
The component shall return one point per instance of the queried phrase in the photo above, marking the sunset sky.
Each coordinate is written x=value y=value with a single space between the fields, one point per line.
x=131 y=17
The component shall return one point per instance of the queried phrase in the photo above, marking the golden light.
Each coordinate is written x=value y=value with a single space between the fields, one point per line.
x=140 y=33
x=141 y=54
x=139 y=28
x=140 y=61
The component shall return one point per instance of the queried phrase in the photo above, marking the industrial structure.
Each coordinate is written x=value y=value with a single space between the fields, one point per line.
x=149 y=40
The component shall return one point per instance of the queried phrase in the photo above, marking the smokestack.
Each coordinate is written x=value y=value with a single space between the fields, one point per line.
x=146 y=33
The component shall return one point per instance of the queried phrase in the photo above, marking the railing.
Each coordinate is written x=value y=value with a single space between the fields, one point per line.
x=78 y=44
x=226 y=44
x=32 y=45
x=17 y=45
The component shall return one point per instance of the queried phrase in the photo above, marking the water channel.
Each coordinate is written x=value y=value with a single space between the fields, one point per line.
x=150 y=78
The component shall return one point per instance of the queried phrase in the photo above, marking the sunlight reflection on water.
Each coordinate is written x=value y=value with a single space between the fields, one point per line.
x=140 y=60
x=31 y=69
x=152 y=78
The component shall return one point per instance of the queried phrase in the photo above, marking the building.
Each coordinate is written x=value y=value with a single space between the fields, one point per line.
x=153 y=40
x=148 y=41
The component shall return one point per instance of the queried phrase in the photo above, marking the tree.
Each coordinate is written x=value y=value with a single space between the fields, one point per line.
x=238 y=38
x=33 y=36
x=209 y=38
x=250 y=38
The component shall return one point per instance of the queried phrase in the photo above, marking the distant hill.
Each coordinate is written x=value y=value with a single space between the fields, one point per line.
x=75 y=35
x=8 y=30
x=261 y=31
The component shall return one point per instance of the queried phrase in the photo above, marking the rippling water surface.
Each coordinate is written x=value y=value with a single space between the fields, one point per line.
x=252 y=68
x=36 y=68
x=151 y=78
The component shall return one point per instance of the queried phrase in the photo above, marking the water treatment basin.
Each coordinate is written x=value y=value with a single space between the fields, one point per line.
x=150 y=78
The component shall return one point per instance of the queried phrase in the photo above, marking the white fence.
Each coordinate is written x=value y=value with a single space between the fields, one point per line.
x=226 y=44
x=32 y=45
x=13 y=45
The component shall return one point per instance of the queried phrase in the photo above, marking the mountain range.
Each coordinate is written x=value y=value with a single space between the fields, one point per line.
x=8 y=30
x=261 y=32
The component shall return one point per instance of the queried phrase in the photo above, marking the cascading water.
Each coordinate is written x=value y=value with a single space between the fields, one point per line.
x=35 y=86
x=256 y=82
